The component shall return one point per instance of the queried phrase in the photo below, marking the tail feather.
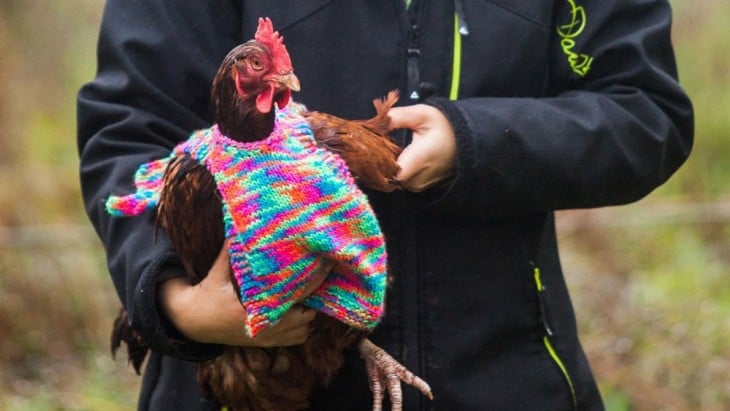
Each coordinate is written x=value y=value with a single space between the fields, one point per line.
x=380 y=124
x=136 y=347
x=363 y=144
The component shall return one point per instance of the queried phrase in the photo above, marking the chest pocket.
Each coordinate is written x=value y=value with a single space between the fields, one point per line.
x=506 y=52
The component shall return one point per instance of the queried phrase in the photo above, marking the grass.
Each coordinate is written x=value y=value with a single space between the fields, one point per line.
x=56 y=304
x=654 y=308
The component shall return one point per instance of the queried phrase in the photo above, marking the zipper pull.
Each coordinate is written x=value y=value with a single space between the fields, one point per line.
x=414 y=71
x=461 y=16
x=541 y=302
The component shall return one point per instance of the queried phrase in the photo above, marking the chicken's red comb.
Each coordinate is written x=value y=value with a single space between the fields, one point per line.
x=266 y=35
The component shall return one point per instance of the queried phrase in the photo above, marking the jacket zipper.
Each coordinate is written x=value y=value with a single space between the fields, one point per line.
x=547 y=337
x=410 y=282
x=416 y=91
x=413 y=51
x=461 y=29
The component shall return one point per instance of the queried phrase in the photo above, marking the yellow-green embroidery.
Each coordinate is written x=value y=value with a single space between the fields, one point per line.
x=580 y=63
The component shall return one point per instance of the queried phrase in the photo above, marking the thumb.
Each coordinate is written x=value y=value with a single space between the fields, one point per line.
x=410 y=162
x=411 y=158
x=410 y=117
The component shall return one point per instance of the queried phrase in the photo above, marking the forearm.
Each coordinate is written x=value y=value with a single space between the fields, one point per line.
x=608 y=138
x=210 y=311
x=582 y=151
x=150 y=92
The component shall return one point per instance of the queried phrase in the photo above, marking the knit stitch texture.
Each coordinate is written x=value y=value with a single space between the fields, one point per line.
x=287 y=205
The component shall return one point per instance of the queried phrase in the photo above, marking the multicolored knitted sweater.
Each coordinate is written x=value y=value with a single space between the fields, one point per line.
x=287 y=205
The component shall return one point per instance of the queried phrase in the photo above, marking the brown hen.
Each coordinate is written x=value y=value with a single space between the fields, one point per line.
x=252 y=78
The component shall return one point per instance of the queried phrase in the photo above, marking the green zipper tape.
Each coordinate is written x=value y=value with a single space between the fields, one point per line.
x=551 y=350
x=456 y=62
x=559 y=362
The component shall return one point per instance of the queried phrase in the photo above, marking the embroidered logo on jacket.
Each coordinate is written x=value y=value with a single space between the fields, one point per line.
x=579 y=63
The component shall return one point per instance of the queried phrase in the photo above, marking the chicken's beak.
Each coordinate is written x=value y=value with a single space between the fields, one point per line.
x=290 y=81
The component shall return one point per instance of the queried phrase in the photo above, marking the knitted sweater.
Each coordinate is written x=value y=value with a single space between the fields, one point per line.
x=287 y=205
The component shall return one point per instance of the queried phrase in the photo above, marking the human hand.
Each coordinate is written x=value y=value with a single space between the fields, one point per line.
x=431 y=157
x=210 y=311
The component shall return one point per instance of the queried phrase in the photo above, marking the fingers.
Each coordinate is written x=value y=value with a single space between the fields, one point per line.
x=294 y=326
x=410 y=117
x=427 y=162
x=322 y=272
x=212 y=312
x=411 y=161
x=328 y=266
x=296 y=318
x=413 y=157
x=292 y=329
x=430 y=158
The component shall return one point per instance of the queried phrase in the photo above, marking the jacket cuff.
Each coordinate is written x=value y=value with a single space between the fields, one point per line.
x=150 y=321
x=451 y=195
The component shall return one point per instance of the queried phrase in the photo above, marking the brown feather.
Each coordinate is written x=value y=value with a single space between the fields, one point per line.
x=136 y=347
x=363 y=144
x=237 y=115
x=190 y=211
x=245 y=378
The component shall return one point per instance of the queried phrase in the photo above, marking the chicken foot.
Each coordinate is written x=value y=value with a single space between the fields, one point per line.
x=385 y=373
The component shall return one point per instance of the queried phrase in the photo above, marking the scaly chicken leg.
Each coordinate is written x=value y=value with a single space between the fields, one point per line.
x=384 y=372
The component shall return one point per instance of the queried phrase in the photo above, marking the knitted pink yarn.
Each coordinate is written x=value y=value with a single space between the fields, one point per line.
x=287 y=205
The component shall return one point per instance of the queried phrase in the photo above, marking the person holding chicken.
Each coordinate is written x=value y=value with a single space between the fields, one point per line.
x=510 y=111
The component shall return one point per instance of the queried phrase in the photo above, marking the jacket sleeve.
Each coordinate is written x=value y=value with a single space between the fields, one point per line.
x=608 y=137
x=155 y=62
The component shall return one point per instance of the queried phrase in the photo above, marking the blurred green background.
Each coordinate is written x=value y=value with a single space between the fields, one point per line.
x=649 y=280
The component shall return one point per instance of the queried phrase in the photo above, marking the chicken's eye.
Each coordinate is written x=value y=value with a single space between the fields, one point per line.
x=256 y=64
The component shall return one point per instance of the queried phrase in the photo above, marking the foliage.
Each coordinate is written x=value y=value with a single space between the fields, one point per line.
x=649 y=280
x=56 y=301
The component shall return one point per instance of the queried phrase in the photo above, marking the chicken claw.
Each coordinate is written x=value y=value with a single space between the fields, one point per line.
x=384 y=372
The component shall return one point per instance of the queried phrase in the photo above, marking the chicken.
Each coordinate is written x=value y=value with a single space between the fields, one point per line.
x=251 y=79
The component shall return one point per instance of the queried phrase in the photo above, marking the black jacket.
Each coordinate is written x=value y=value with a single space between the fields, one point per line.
x=562 y=104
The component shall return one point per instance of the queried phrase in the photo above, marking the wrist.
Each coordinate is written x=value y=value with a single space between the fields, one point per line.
x=149 y=318
x=193 y=312
x=174 y=297
x=452 y=194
